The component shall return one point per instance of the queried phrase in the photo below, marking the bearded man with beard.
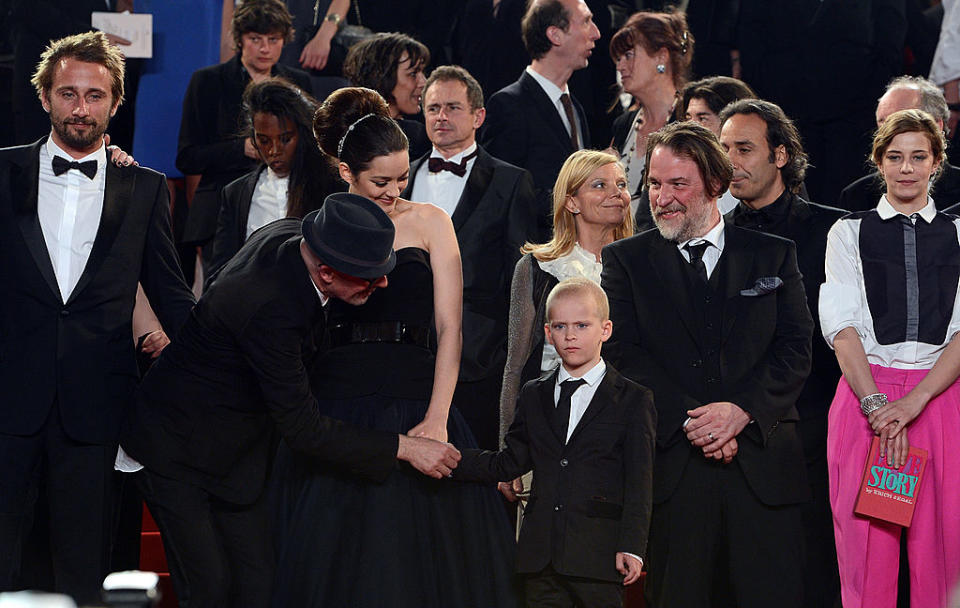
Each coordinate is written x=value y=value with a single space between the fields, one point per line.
x=713 y=318
x=76 y=236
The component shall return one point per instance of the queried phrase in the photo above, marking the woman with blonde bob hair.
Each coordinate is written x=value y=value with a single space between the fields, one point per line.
x=889 y=310
x=591 y=209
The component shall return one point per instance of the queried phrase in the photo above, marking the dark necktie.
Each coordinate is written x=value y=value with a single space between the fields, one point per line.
x=436 y=164
x=567 y=388
x=62 y=165
x=568 y=110
x=696 y=259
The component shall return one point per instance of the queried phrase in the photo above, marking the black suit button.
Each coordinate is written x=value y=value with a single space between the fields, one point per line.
x=712 y=380
x=564 y=462
x=558 y=508
x=64 y=313
x=707 y=299
x=696 y=363
x=709 y=325
x=711 y=352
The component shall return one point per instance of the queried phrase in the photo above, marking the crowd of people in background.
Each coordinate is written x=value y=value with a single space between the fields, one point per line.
x=390 y=218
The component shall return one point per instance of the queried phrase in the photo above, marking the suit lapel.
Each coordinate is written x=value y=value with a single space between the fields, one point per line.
x=601 y=399
x=249 y=187
x=546 y=388
x=473 y=191
x=547 y=110
x=117 y=194
x=415 y=167
x=24 y=199
x=667 y=265
x=735 y=264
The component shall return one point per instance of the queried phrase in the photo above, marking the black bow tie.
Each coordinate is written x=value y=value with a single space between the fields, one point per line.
x=437 y=164
x=62 y=165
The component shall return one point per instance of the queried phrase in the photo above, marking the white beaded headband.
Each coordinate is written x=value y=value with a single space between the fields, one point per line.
x=350 y=128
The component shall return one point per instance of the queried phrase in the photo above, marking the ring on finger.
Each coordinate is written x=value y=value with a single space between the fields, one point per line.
x=710 y=435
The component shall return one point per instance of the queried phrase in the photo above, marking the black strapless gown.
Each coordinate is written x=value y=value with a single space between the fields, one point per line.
x=411 y=541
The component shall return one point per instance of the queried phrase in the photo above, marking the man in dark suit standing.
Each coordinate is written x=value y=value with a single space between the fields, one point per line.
x=204 y=425
x=76 y=236
x=713 y=319
x=768 y=168
x=535 y=123
x=493 y=208
x=907 y=93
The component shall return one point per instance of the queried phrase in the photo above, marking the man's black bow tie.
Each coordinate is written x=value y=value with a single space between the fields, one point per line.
x=437 y=164
x=62 y=165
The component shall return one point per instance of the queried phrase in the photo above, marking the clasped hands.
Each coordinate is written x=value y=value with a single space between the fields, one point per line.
x=890 y=423
x=714 y=428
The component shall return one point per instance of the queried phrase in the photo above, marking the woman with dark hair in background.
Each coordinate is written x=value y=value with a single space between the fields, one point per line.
x=652 y=52
x=889 y=310
x=411 y=541
x=212 y=143
x=294 y=176
x=393 y=65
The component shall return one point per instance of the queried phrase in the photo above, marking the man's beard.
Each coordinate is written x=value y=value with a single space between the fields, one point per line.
x=695 y=221
x=82 y=140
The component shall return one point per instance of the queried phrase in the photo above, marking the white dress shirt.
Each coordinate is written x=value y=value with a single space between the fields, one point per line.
x=269 y=201
x=69 y=207
x=843 y=297
x=554 y=92
x=711 y=255
x=443 y=188
x=946 y=59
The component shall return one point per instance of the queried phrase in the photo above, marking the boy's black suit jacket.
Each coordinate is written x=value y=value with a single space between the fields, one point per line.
x=592 y=496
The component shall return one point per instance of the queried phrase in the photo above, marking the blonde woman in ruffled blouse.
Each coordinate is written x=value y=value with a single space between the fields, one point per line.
x=591 y=208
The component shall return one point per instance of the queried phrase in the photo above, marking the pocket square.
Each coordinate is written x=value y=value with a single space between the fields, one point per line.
x=763 y=286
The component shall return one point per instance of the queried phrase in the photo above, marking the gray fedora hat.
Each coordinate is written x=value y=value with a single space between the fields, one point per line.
x=352 y=235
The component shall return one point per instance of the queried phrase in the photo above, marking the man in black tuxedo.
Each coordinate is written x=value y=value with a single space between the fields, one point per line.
x=713 y=319
x=493 y=208
x=907 y=93
x=204 y=425
x=76 y=236
x=535 y=123
x=768 y=168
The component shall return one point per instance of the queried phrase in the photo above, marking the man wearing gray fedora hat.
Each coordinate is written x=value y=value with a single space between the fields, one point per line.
x=206 y=421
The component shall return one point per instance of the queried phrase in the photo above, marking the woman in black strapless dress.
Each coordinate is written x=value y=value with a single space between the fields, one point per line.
x=390 y=364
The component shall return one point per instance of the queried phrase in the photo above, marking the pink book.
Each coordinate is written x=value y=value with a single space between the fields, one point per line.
x=889 y=493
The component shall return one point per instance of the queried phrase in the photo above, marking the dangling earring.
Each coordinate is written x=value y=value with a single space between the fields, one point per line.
x=661 y=68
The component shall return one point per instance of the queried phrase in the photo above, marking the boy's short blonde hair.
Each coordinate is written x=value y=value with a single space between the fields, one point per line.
x=582 y=287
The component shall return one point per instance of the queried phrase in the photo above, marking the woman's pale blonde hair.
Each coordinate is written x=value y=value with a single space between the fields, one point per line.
x=574 y=172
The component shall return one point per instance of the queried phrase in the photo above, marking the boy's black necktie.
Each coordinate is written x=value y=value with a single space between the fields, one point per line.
x=567 y=388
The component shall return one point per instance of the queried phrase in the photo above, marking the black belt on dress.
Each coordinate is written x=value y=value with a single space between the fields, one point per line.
x=380 y=331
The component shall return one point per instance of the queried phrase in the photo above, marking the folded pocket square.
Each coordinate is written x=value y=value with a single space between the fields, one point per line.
x=763 y=286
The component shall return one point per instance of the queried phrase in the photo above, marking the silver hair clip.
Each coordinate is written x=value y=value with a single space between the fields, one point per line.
x=683 y=45
x=350 y=128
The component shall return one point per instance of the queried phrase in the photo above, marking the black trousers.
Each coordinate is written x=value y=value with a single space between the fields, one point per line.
x=81 y=493
x=549 y=589
x=219 y=554
x=714 y=544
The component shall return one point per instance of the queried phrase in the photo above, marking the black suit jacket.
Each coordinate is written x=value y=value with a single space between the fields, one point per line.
x=807 y=225
x=211 y=137
x=207 y=410
x=692 y=348
x=524 y=129
x=80 y=352
x=235 y=200
x=591 y=496
x=495 y=215
x=865 y=193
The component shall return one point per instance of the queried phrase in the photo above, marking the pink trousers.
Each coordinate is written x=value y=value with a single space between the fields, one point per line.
x=868 y=550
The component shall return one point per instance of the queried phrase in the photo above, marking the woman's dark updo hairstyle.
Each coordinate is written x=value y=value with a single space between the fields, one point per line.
x=312 y=176
x=654 y=31
x=374 y=136
x=373 y=62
